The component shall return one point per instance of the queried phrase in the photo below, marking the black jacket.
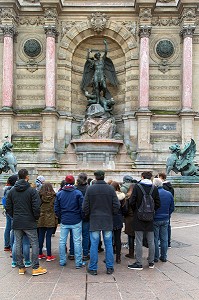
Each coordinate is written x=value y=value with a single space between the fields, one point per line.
x=100 y=204
x=168 y=187
x=23 y=205
x=135 y=202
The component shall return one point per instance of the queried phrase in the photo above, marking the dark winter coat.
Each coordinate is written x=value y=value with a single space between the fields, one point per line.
x=23 y=205
x=100 y=204
x=168 y=187
x=118 y=218
x=167 y=205
x=68 y=205
x=82 y=188
x=135 y=202
x=47 y=215
x=128 y=219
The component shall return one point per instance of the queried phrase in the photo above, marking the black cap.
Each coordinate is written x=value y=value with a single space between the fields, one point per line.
x=99 y=173
x=12 y=179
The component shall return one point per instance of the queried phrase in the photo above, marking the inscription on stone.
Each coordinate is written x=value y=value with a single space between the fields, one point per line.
x=161 y=126
x=29 y=125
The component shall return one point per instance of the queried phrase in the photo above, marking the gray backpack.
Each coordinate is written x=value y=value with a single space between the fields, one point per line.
x=146 y=210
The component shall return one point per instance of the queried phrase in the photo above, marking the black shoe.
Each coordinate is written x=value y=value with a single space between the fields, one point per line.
x=100 y=249
x=155 y=260
x=135 y=266
x=71 y=257
x=151 y=265
x=109 y=271
x=163 y=259
x=92 y=272
x=87 y=257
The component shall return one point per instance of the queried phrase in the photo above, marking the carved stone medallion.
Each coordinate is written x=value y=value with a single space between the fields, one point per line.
x=165 y=48
x=98 y=21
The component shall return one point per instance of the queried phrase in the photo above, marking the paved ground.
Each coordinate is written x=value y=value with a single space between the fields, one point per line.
x=176 y=279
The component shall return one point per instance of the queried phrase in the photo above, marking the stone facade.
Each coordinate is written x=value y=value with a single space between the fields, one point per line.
x=154 y=46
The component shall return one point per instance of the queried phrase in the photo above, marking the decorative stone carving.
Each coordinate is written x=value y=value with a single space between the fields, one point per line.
x=145 y=14
x=164 y=66
x=187 y=30
x=9 y=30
x=144 y=31
x=31 y=21
x=65 y=26
x=98 y=21
x=50 y=30
x=157 y=21
x=32 y=65
x=29 y=125
x=8 y=14
x=50 y=14
x=162 y=126
x=26 y=43
x=189 y=14
x=132 y=27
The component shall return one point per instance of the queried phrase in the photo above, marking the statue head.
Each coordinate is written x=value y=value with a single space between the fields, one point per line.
x=175 y=148
x=97 y=55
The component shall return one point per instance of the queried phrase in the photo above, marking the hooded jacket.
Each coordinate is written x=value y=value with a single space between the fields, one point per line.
x=68 y=205
x=47 y=215
x=23 y=205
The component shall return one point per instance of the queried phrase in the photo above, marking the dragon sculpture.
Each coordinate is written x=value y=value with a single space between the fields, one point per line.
x=182 y=160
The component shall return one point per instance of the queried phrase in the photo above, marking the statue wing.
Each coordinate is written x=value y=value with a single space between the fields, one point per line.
x=188 y=153
x=110 y=72
x=87 y=74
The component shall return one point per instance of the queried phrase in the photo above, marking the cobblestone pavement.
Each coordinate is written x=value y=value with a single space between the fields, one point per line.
x=178 y=278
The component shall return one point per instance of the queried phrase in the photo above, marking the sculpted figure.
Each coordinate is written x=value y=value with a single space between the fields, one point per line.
x=96 y=70
x=7 y=159
x=182 y=160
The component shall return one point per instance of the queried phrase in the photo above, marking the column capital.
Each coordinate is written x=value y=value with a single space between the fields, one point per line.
x=144 y=30
x=9 y=30
x=50 y=30
x=187 y=30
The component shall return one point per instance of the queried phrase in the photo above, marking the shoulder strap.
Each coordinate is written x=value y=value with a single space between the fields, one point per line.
x=151 y=191
x=142 y=189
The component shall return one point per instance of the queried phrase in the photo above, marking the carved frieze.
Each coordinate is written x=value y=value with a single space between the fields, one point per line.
x=30 y=97
x=30 y=87
x=164 y=98
x=98 y=21
x=170 y=21
x=170 y=88
x=8 y=15
x=33 y=21
x=164 y=77
x=163 y=126
x=26 y=76
x=29 y=126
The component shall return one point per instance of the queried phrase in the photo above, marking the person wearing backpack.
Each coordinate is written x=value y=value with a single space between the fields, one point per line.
x=161 y=221
x=144 y=201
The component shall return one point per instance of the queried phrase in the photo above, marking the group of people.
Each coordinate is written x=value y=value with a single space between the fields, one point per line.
x=87 y=209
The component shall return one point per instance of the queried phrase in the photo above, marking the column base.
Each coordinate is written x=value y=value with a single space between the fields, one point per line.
x=186 y=109
x=50 y=108
x=6 y=108
x=143 y=109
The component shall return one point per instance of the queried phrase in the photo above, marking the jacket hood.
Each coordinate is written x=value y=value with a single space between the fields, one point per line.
x=21 y=185
x=167 y=183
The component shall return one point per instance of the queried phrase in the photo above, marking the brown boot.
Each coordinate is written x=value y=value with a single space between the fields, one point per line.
x=118 y=258
x=130 y=254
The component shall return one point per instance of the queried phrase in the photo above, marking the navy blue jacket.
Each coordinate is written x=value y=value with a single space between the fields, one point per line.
x=68 y=205
x=167 y=205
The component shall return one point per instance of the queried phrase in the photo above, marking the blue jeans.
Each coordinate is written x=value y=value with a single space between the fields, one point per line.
x=161 y=232
x=94 y=238
x=26 y=249
x=85 y=239
x=48 y=231
x=77 y=238
x=7 y=232
x=33 y=238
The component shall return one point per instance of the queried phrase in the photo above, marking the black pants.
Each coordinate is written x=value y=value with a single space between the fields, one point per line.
x=117 y=240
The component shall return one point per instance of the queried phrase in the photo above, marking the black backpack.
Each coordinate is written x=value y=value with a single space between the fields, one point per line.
x=146 y=210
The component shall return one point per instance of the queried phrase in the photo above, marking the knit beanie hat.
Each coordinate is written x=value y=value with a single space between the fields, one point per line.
x=70 y=179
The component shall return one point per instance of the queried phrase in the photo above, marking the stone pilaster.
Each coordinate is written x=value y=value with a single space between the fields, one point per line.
x=51 y=34
x=144 y=33
x=7 y=86
x=187 y=33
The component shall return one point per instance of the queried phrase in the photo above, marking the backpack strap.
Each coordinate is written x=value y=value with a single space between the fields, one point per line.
x=143 y=190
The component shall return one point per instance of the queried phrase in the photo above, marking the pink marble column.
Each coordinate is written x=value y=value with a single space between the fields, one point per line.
x=144 y=32
x=187 y=33
x=7 y=84
x=51 y=34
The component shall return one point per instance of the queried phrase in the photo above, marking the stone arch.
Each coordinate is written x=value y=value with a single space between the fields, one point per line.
x=76 y=36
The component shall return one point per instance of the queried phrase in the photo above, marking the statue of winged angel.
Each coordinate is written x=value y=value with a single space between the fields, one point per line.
x=182 y=160
x=96 y=70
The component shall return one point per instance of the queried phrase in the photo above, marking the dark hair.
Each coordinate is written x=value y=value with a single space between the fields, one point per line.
x=89 y=180
x=62 y=184
x=162 y=175
x=146 y=175
x=47 y=189
x=82 y=178
x=23 y=173
x=116 y=185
